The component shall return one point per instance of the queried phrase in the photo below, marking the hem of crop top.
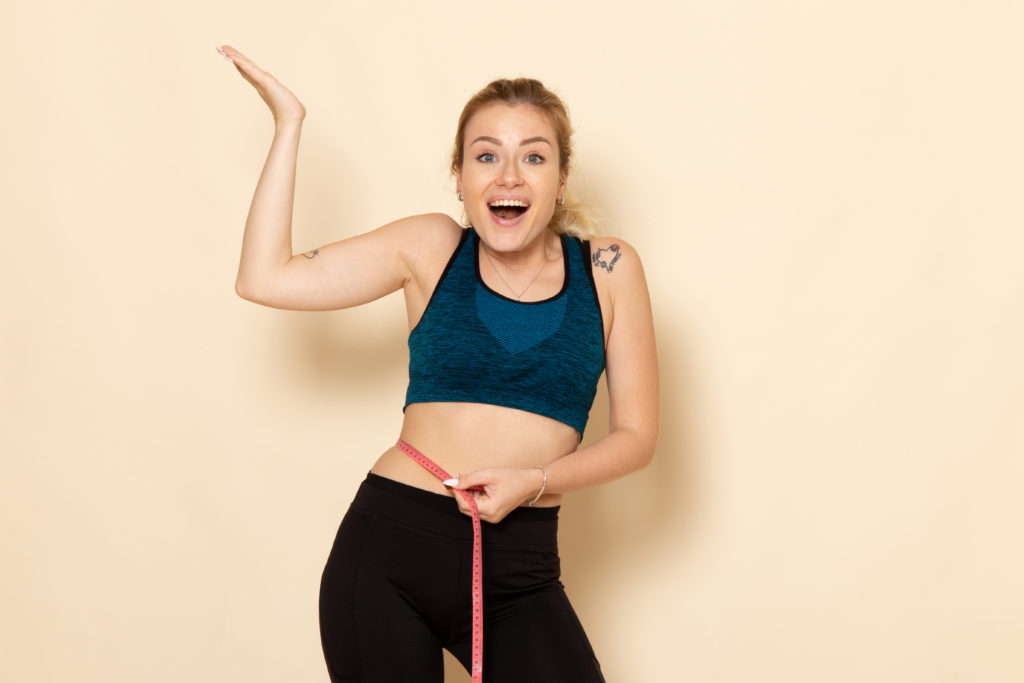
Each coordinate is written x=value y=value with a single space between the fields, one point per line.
x=502 y=402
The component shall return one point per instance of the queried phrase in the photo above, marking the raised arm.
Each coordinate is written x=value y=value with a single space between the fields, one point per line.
x=338 y=275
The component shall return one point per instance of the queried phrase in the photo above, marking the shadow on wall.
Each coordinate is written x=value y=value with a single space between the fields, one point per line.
x=606 y=532
x=350 y=350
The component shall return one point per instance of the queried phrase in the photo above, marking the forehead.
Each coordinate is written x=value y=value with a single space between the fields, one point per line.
x=509 y=123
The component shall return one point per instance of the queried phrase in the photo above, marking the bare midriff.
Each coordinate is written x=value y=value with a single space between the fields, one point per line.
x=463 y=437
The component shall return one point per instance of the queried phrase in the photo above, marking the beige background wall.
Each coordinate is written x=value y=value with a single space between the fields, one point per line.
x=827 y=200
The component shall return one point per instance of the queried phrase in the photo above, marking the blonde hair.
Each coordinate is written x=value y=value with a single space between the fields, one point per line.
x=572 y=217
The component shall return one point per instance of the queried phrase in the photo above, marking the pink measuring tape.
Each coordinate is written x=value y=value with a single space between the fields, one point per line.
x=477 y=672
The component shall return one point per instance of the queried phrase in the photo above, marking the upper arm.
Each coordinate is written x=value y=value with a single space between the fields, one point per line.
x=355 y=270
x=631 y=355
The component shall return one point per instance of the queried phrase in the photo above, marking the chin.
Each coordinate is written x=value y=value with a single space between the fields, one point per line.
x=509 y=235
x=502 y=238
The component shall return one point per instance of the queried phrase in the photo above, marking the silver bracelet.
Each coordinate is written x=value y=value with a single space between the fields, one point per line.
x=542 y=486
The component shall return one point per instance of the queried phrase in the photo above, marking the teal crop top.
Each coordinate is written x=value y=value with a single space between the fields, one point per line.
x=474 y=345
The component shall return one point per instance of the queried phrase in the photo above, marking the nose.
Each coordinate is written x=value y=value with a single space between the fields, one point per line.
x=510 y=175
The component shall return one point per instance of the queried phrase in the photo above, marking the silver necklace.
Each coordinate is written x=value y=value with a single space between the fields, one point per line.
x=519 y=295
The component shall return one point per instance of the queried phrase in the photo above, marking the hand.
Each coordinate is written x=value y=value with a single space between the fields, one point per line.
x=498 y=490
x=284 y=105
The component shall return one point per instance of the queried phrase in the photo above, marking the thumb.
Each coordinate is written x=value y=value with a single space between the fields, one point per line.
x=466 y=481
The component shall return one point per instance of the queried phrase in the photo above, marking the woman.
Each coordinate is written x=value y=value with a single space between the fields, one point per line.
x=512 y=321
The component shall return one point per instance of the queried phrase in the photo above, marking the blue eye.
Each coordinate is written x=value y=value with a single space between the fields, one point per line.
x=486 y=157
x=534 y=159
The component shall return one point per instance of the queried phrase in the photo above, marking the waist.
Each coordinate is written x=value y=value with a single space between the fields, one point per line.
x=439 y=514
x=485 y=435
x=464 y=437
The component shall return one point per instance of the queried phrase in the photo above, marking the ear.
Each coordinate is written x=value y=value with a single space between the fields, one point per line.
x=458 y=180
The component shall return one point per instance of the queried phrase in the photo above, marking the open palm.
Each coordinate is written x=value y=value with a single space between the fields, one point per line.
x=283 y=103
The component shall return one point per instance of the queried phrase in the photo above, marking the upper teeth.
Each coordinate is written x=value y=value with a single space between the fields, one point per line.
x=508 y=202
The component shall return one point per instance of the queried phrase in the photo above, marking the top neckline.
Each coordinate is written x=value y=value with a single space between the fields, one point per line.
x=480 y=279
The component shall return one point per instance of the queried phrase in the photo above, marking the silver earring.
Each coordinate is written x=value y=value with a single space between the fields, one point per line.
x=561 y=200
x=460 y=195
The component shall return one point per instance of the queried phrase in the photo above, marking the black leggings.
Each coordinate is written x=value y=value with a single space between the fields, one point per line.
x=396 y=589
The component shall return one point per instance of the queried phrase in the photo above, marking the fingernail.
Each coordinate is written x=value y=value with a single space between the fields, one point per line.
x=451 y=482
x=223 y=54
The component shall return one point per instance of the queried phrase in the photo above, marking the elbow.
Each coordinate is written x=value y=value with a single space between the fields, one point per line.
x=646 y=455
x=243 y=289
x=648 y=444
x=247 y=290
x=645 y=446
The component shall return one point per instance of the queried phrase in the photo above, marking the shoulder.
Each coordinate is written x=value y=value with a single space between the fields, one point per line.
x=423 y=237
x=618 y=272
x=426 y=242
x=619 y=280
x=614 y=259
x=424 y=228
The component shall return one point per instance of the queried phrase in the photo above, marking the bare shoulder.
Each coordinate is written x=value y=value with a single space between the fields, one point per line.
x=425 y=239
x=613 y=259
x=425 y=243
x=439 y=230
x=423 y=230
x=619 y=280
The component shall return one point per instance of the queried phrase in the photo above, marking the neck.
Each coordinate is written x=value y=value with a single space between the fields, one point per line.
x=533 y=254
x=518 y=272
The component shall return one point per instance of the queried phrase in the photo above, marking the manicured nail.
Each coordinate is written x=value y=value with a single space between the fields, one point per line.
x=223 y=54
x=451 y=482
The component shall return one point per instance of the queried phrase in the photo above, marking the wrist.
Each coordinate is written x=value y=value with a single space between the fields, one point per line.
x=287 y=125
x=543 y=485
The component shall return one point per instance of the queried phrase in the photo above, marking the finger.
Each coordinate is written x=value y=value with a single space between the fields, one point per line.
x=235 y=55
x=250 y=71
x=489 y=515
x=463 y=505
x=245 y=66
x=470 y=480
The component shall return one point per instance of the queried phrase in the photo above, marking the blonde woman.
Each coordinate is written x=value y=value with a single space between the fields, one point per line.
x=512 y=320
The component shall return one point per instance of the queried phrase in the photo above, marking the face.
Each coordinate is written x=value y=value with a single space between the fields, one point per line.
x=510 y=177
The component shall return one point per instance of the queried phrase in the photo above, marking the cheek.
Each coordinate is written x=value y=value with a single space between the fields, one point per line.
x=474 y=178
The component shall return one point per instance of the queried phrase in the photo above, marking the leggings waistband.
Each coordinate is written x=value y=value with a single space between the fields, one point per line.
x=440 y=514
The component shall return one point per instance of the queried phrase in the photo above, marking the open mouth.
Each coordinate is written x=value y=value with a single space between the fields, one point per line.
x=508 y=209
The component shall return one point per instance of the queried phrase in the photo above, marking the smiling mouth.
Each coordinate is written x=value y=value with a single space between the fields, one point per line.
x=508 y=209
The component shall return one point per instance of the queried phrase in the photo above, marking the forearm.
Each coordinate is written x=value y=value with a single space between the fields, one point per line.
x=267 y=242
x=621 y=452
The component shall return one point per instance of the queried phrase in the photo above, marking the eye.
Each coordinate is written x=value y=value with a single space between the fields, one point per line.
x=534 y=159
x=486 y=157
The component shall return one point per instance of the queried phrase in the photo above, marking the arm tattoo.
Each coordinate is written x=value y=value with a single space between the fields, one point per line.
x=312 y=254
x=606 y=257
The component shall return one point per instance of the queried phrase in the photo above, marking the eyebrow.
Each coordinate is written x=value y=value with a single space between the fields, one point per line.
x=495 y=141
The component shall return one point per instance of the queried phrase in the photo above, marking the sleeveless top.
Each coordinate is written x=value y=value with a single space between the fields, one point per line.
x=474 y=345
